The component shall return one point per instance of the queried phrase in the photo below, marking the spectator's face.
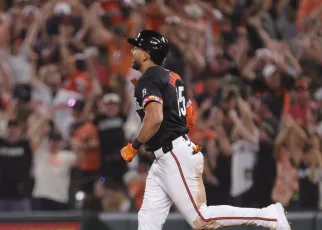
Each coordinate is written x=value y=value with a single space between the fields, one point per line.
x=112 y=109
x=53 y=79
x=302 y=96
x=267 y=5
x=139 y=56
x=29 y=18
x=211 y=84
x=54 y=146
x=273 y=80
x=232 y=103
x=223 y=64
x=67 y=29
x=229 y=104
x=232 y=2
x=263 y=109
x=39 y=3
x=94 y=59
x=14 y=132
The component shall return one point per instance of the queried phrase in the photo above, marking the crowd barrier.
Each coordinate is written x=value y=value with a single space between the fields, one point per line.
x=107 y=221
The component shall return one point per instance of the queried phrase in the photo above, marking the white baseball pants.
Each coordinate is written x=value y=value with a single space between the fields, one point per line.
x=176 y=177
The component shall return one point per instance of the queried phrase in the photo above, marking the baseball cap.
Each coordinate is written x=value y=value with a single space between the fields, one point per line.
x=269 y=70
x=30 y=9
x=111 y=98
x=80 y=56
x=91 y=51
x=63 y=8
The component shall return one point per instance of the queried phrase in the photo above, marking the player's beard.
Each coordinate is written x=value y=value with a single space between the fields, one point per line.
x=136 y=65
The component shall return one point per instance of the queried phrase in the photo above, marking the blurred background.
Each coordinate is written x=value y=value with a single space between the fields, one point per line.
x=253 y=69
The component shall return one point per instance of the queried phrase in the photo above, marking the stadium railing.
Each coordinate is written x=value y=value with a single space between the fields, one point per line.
x=75 y=220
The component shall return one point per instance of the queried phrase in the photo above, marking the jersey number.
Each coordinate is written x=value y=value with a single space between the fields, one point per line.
x=181 y=101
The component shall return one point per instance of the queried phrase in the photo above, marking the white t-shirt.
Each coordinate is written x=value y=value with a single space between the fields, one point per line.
x=52 y=173
x=42 y=93
x=63 y=114
x=242 y=165
x=3 y=127
x=19 y=64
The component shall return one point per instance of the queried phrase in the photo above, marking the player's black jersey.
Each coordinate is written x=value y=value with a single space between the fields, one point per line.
x=160 y=85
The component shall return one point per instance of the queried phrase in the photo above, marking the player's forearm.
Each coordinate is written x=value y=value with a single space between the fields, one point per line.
x=149 y=128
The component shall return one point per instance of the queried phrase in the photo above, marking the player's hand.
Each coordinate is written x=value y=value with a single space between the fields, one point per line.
x=128 y=152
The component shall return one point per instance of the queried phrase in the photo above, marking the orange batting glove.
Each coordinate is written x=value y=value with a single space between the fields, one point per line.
x=128 y=152
x=191 y=117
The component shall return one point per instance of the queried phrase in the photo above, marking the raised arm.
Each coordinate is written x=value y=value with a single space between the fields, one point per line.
x=99 y=32
x=248 y=72
x=241 y=129
x=85 y=16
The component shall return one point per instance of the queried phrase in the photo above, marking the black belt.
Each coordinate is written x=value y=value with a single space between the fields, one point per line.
x=169 y=147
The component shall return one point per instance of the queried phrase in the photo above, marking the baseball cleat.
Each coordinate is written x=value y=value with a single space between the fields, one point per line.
x=282 y=222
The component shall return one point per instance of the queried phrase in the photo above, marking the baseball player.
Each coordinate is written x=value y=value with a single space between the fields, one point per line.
x=176 y=174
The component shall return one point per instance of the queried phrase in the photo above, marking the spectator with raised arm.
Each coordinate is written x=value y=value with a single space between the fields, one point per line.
x=15 y=168
x=85 y=141
x=245 y=144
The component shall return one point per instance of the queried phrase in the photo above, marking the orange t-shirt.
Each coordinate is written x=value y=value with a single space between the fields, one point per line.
x=120 y=59
x=154 y=20
x=112 y=9
x=306 y=8
x=88 y=133
x=79 y=82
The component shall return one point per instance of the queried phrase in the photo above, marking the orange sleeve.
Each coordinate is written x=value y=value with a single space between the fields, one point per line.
x=287 y=102
x=303 y=12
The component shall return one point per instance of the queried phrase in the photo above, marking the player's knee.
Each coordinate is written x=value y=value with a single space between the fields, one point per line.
x=142 y=215
x=203 y=221
x=198 y=223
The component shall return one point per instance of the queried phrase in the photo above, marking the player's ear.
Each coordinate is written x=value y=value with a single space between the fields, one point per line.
x=146 y=56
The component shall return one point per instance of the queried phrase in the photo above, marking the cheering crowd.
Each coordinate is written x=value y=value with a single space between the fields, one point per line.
x=253 y=69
